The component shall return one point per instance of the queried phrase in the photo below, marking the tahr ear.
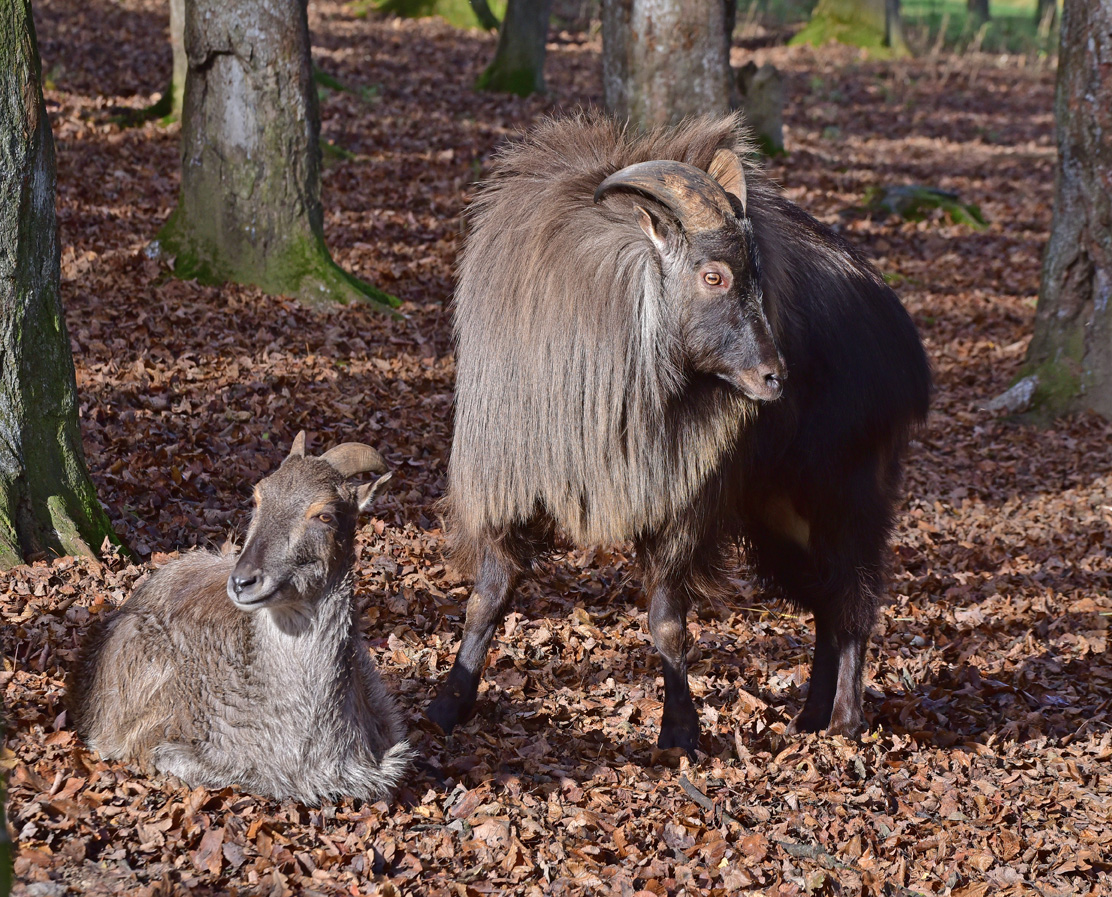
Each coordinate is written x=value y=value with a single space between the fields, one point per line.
x=726 y=168
x=366 y=494
x=297 y=450
x=656 y=229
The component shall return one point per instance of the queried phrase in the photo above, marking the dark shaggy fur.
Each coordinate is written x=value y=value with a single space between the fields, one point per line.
x=582 y=407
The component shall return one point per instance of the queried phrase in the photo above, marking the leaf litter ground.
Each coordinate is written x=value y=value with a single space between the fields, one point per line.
x=986 y=768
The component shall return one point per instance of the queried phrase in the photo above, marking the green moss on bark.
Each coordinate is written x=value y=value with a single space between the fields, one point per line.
x=1060 y=380
x=522 y=81
x=303 y=269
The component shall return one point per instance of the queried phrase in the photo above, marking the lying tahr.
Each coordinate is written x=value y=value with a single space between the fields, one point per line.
x=249 y=670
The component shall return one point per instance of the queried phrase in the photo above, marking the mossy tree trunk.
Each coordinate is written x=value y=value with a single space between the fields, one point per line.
x=47 y=501
x=170 y=106
x=249 y=210
x=1070 y=355
x=664 y=60
x=518 y=64
x=871 y=24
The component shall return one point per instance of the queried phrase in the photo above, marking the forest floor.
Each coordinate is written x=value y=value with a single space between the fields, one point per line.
x=987 y=765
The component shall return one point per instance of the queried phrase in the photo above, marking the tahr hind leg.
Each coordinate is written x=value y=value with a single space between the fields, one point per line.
x=835 y=694
x=830 y=564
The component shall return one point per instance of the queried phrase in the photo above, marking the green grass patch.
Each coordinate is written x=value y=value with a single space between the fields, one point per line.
x=456 y=12
x=946 y=24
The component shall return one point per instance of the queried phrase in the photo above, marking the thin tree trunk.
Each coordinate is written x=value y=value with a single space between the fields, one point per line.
x=518 y=64
x=978 y=9
x=168 y=107
x=1071 y=352
x=665 y=60
x=47 y=501
x=176 y=89
x=249 y=209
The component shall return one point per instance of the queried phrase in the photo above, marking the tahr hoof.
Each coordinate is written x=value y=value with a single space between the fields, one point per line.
x=679 y=736
x=818 y=721
x=848 y=726
x=810 y=719
x=448 y=710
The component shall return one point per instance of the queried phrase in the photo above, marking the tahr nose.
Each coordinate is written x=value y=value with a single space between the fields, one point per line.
x=774 y=384
x=768 y=381
x=242 y=580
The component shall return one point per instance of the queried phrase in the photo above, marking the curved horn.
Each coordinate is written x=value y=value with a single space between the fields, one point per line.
x=353 y=458
x=297 y=450
x=696 y=198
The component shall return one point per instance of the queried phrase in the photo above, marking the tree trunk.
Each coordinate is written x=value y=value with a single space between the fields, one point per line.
x=176 y=89
x=665 y=60
x=249 y=209
x=47 y=501
x=978 y=10
x=1070 y=355
x=483 y=13
x=168 y=107
x=870 y=24
x=518 y=65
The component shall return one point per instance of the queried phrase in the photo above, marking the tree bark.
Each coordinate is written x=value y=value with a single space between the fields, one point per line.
x=870 y=24
x=1070 y=355
x=665 y=60
x=518 y=64
x=249 y=210
x=47 y=501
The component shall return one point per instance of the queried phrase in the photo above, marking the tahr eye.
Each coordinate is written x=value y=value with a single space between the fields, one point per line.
x=325 y=517
x=713 y=279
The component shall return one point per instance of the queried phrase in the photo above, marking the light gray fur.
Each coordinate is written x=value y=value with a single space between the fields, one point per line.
x=283 y=700
x=577 y=291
